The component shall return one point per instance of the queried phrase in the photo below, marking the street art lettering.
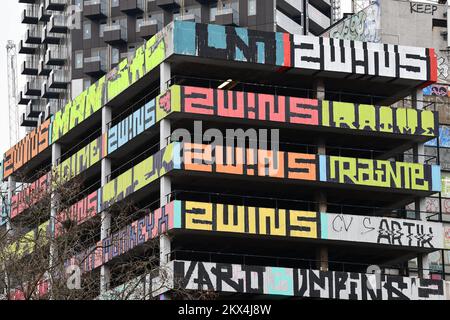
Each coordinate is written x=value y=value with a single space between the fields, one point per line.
x=304 y=52
x=137 y=233
x=29 y=147
x=388 y=231
x=364 y=25
x=247 y=105
x=38 y=236
x=440 y=90
x=78 y=213
x=380 y=173
x=249 y=220
x=108 y=87
x=425 y=8
x=30 y=195
x=138 y=176
x=252 y=162
x=308 y=224
x=225 y=277
x=81 y=160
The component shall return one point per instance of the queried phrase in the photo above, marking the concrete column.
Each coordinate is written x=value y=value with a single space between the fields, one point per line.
x=321 y=199
x=105 y=274
x=11 y=188
x=56 y=155
x=165 y=186
x=423 y=264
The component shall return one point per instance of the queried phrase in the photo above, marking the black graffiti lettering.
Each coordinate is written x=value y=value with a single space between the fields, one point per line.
x=339 y=223
x=423 y=8
x=395 y=292
x=203 y=278
x=340 y=281
x=224 y=273
x=429 y=288
x=320 y=280
x=368 y=290
x=300 y=282
x=249 y=270
x=383 y=232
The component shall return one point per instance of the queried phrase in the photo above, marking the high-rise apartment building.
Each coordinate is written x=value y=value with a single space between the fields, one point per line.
x=70 y=44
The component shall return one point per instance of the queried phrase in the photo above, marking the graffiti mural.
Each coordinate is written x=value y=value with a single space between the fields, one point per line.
x=248 y=105
x=380 y=173
x=364 y=25
x=30 y=195
x=225 y=277
x=252 y=162
x=307 y=224
x=137 y=233
x=138 y=177
x=29 y=147
x=78 y=213
x=81 y=160
x=304 y=52
x=128 y=72
x=380 y=230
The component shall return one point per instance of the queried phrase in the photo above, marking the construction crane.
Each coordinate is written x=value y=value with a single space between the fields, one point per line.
x=13 y=111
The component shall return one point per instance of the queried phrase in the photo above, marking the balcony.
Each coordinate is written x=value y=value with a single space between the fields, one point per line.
x=50 y=37
x=132 y=6
x=168 y=4
x=148 y=29
x=44 y=15
x=33 y=109
x=94 y=66
x=33 y=88
x=57 y=24
x=26 y=122
x=28 y=1
x=227 y=17
x=115 y=35
x=55 y=5
x=187 y=17
x=95 y=9
x=30 y=15
x=26 y=50
x=50 y=93
x=56 y=56
x=21 y=99
x=58 y=79
x=207 y=1
x=43 y=69
x=30 y=67
x=33 y=36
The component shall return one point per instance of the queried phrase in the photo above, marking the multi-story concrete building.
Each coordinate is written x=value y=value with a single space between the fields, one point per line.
x=400 y=22
x=70 y=44
x=307 y=217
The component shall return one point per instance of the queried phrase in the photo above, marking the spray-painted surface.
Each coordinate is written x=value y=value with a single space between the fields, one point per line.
x=362 y=26
x=234 y=278
x=308 y=224
x=444 y=138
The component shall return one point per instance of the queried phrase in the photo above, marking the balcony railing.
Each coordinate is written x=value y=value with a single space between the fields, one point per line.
x=33 y=35
x=44 y=15
x=58 y=79
x=48 y=37
x=30 y=66
x=57 y=24
x=168 y=4
x=95 y=66
x=132 y=6
x=55 y=5
x=95 y=9
x=115 y=34
x=187 y=17
x=56 y=55
x=30 y=15
x=149 y=28
x=227 y=16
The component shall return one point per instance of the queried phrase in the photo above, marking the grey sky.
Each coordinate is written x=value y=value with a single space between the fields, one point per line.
x=12 y=29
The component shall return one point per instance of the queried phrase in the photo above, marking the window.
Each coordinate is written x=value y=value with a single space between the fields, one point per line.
x=78 y=59
x=252 y=7
x=114 y=3
x=78 y=3
x=115 y=56
x=86 y=30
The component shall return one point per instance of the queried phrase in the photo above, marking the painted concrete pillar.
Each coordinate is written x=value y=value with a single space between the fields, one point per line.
x=56 y=155
x=105 y=274
x=165 y=184
x=319 y=88
x=11 y=188
x=423 y=264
